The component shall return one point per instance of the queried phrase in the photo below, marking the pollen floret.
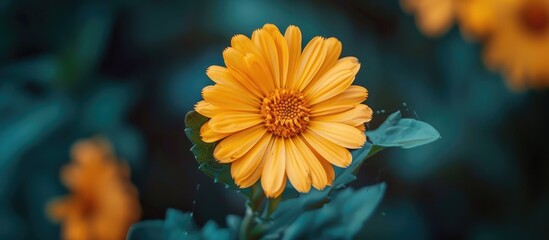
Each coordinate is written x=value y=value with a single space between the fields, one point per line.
x=286 y=112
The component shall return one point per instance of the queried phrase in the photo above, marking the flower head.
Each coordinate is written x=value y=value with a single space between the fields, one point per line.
x=518 y=41
x=103 y=202
x=280 y=112
x=515 y=33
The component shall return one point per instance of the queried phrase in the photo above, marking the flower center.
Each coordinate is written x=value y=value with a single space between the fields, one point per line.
x=534 y=17
x=286 y=112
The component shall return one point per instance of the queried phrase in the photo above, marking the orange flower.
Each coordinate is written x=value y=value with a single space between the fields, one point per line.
x=103 y=202
x=282 y=113
x=518 y=44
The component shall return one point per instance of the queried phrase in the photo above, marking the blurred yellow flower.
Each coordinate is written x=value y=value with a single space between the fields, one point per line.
x=433 y=17
x=283 y=113
x=518 y=42
x=515 y=33
x=103 y=203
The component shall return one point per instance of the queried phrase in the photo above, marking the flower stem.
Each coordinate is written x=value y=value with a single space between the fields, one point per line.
x=252 y=207
x=273 y=204
x=257 y=198
x=246 y=225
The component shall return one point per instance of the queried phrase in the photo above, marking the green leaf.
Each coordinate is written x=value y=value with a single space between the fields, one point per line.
x=403 y=132
x=212 y=232
x=341 y=218
x=233 y=222
x=146 y=230
x=290 y=209
x=395 y=131
x=179 y=225
x=203 y=153
x=347 y=175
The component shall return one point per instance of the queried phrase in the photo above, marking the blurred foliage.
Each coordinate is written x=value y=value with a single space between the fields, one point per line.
x=180 y=225
x=130 y=70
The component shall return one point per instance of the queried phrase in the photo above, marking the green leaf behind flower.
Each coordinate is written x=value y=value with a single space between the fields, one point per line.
x=203 y=153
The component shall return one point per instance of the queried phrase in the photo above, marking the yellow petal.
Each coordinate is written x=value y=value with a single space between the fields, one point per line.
x=310 y=62
x=319 y=179
x=339 y=133
x=335 y=154
x=327 y=166
x=293 y=39
x=223 y=76
x=282 y=51
x=235 y=146
x=206 y=109
x=247 y=170
x=334 y=82
x=244 y=45
x=281 y=189
x=296 y=168
x=266 y=44
x=260 y=71
x=329 y=169
x=361 y=127
x=226 y=98
x=231 y=122
x=209 y=136
x=333 y=48
x=271 y=29
x=234 y=60
x=274 y=171
x=220 y=75
x=255 y=65
x=352 y=62
x=355 y=116
x=341 y=102
x=250 y=180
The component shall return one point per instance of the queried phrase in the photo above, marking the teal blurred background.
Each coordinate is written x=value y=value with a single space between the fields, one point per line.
x=130 y=70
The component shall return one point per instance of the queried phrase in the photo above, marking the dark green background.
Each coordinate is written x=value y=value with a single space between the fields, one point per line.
x=130 y=70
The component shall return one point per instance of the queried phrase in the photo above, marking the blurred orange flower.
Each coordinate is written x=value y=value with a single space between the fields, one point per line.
x=433 y=17
x=103 y=202
x=478 y=17
x=518 y=44
x=515 y=33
